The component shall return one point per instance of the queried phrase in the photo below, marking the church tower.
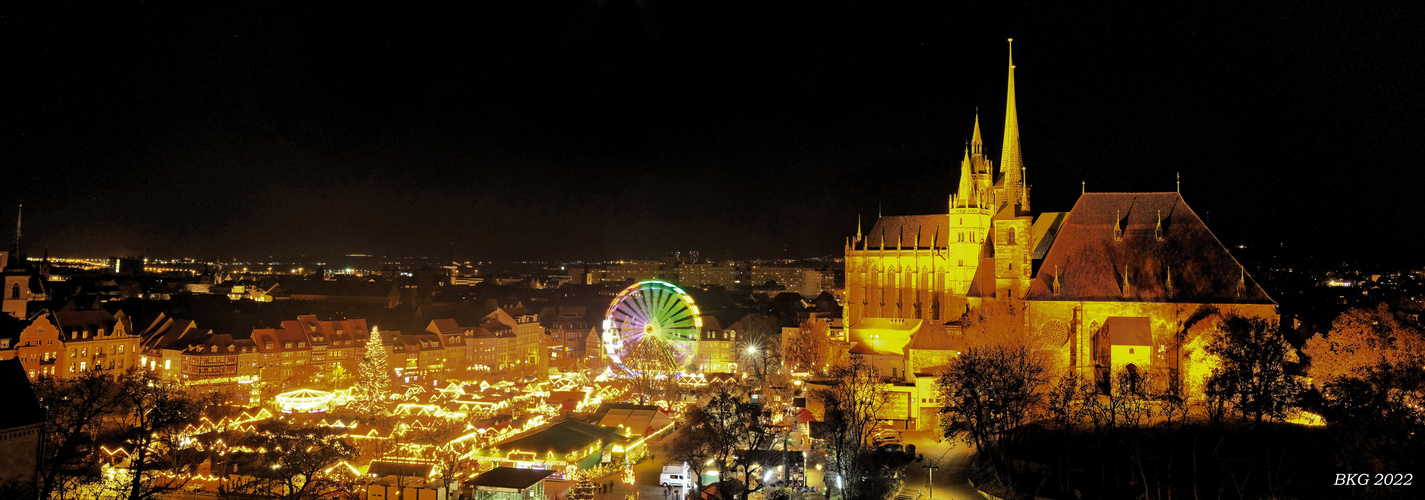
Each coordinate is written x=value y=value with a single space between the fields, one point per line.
x=968 y=218
x=1012 y=223
x=930 y=268
x=16 y=290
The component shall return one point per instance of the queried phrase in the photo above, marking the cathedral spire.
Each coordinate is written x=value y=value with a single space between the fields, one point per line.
x=963 y=193
x=1010 y=161
x=977 y=145
x=18 y=214
x=858 y=227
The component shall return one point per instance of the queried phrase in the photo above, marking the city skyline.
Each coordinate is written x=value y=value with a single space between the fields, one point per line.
x=622 y=131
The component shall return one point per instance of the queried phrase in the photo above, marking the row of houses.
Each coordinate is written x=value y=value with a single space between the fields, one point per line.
x=66 y=343
x=504 y=341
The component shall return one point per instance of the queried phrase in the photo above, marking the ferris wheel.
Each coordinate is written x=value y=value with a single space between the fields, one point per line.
x=652 y=325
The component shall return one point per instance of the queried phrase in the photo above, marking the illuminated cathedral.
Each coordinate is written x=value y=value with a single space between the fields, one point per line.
x=925 y=267
x=1124 y=282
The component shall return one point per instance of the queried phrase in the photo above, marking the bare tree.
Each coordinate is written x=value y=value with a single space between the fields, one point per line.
x=295 y=464
x=722 y=430
x=851 y=402
x=157 y=412
x=808 y=349
x=75 y=409
x=698 y=443
x=989 y=393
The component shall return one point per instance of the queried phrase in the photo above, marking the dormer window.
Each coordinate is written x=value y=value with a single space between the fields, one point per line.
x=1117 y=226
x=1158 y=231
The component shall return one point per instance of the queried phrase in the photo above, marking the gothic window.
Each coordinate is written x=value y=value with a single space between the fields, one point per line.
x=15 y=291
x=1010 y=233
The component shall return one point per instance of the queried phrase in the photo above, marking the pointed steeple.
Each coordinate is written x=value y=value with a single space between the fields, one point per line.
x=858 y=227
x=1010 y=161
x=963 y=193
x=1055 y=285
x=18 y=214
x=977 y=145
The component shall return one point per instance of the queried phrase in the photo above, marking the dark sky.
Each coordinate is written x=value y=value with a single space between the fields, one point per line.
x=518 y=130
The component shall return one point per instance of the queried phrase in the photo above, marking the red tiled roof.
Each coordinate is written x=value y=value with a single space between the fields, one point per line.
x=1091 y=263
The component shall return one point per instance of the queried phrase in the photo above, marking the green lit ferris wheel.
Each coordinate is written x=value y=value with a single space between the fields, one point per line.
x=652 y=325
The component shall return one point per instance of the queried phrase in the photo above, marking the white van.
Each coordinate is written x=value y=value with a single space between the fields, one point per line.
x=677 y=475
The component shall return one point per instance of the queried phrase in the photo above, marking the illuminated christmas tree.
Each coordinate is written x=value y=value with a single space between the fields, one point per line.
x=374 y=387
x=583 y=488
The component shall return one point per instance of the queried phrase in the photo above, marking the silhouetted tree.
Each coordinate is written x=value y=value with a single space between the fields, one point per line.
x=294 y=465
x=156 y=414
x=75 y=409
x=1253 y=354
x=851 y=401
x=989 y=393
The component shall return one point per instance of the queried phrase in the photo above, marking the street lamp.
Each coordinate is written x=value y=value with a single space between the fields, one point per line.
x=930 y=480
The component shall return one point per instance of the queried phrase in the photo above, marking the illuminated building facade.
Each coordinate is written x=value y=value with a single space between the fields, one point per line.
x=417 y=354
x=697 y=275
x=633 y=271
x=509 y=339
x=931 y=267
x=1136 y=282
x=1124 y=282
x=97 y=340
x=914 y=275
x=805 y=281
x=715 y=348
x=67 y=343
x=285 y=352
x=220 y=359
x=334 y=343
x=38 y=347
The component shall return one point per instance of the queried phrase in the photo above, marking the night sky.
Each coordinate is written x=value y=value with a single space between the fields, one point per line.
x=739 y=129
